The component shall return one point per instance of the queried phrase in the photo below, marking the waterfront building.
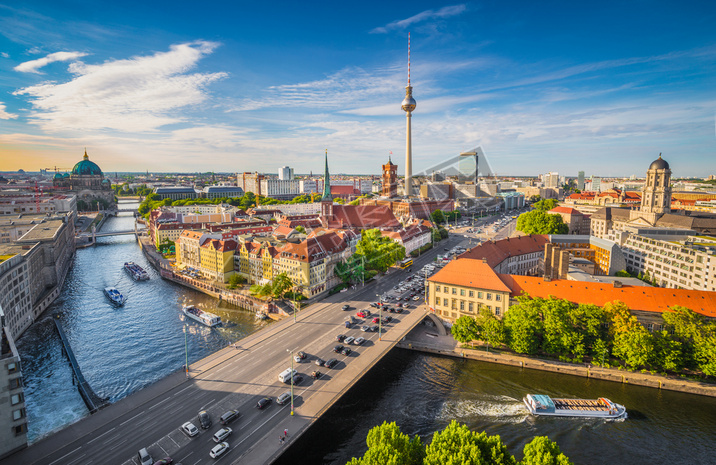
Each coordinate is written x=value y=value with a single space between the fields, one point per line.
x=514 y=255
x=13 y=418
x=218 y=192
x=217 y=259
x=176 y=193
x=87 y=182
x=254 y=259
x=37 y=204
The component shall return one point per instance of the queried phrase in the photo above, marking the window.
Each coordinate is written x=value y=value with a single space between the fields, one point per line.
x=498 y=297
x=16 y=399
x=489 y=296
x=470 y=307
x=12 y=368
x=462 y=292
x=437 y=300
x=471 y=294
x=445 y=302
x=454 y=304
x=497 y=311
x=479 y=295
x=15 y=383
x=650 y=327
x=454 y=290
x=462 y=305
x=17 y=414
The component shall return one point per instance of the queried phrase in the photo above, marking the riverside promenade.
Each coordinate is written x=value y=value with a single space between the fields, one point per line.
x=425 y=339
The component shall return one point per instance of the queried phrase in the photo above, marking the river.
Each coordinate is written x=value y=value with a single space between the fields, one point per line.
x=124 y=349
x=120 y=350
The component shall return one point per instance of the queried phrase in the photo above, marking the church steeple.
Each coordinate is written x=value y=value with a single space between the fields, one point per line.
x=326 y=183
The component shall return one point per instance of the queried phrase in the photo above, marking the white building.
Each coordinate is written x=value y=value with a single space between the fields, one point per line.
x=551 y=179
x=285 y=173
x=280 y=189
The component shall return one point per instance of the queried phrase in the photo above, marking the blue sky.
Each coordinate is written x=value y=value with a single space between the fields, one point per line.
x=239 y=86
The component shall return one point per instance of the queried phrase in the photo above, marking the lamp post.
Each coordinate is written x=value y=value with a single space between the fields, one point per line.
x=186 y=352
x=380 y=316
x=290 y=351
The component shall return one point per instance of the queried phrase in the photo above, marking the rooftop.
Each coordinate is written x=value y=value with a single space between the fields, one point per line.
x=43 y=231
x=467 y=272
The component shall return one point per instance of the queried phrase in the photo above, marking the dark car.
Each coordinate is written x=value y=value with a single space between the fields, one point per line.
x=204 y=419
x=265 y=402
x=400 y=310
x=229 y=416
x=374 y=328
x=340 y=337
x=316 y=374
x=297 y=379
x=337 y=348
x=387 y=319
x=346 y=351
x=164 y=461
x=330 y=363
x=319 y=362
x=347 y=324
x=346 y=307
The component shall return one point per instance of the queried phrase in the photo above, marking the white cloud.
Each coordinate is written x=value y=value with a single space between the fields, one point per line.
x=138 y=94
x=4 y=55
x=35 y=65
x=443 y=12
x=4 y=114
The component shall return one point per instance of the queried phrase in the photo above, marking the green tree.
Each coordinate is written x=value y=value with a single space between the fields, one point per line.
x=540 y=222
x=259 y=290
x=524 y=325
x=542 y=451
x=490 y=328
x=705 y=349
x=388 y=445
x=464 y=329
x=379 y=252
x=437 y=217
x=300 y=229
x=280 y=285
x=350 y=270
x=667 y=352
x=234 y=281
x=545 y=205
x=457 y=445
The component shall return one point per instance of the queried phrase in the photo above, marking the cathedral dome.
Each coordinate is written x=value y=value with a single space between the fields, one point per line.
x=659 y=164
x=86 y=167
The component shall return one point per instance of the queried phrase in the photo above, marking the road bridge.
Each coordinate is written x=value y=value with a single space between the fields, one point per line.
x=236 y=377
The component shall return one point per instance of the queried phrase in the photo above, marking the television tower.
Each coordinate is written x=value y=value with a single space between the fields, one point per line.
x=408 y=106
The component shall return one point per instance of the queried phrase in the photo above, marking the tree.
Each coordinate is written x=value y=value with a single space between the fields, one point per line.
x=545 y=205
x=280 y=284
x=234 y=280
x=490 y=328
x=464 y=329
x=388 y=445
x=540 y=222
x=457 y=445
x=437 y=216
x=379 y=252
x=300 y=229
x=542 y=451
x=524 y=326
x=351 y=270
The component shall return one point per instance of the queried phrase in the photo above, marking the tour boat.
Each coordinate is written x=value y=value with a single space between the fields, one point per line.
x=540 y=404
x=114 y=295
x=205 y=318
x=136 y=272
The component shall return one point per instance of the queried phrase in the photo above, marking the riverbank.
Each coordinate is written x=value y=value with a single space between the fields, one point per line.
x=425 y=339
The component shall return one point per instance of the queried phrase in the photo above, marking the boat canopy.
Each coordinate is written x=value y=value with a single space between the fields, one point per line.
x=543 y=402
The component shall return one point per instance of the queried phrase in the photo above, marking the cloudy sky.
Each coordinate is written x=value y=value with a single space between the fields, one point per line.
x=602 y=87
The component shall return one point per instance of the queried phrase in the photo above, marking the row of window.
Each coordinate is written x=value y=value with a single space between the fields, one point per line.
x=470 y=293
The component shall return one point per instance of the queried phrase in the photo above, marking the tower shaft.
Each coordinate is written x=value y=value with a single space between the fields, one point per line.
x=408 y=156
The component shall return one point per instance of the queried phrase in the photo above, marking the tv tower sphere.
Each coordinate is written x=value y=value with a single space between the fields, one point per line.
x=408 y=102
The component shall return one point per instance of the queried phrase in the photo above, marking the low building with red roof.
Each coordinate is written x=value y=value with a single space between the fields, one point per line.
x=577 y=221
x=515 y=255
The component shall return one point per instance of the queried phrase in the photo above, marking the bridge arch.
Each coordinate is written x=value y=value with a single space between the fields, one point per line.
x=439 y=326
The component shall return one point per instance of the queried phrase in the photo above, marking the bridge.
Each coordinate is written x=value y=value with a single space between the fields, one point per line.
x=236 y=377
x=113 y=233
x=91 y=399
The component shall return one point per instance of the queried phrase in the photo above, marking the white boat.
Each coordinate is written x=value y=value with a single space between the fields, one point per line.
x=540 y=404
x=136 y=272
x=114 y=296
x=261 y=315
x=205 y=318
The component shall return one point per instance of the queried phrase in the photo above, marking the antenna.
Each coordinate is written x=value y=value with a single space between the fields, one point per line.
x=408 y=59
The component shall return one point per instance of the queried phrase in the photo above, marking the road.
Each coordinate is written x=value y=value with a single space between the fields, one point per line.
x=236 y=378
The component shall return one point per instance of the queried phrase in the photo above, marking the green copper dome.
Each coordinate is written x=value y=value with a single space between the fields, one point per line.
x=86 y=167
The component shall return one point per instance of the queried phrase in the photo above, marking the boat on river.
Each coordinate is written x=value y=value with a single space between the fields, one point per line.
x=136 y=272
x=540 y=404
x=114 y=296
x=205 y=318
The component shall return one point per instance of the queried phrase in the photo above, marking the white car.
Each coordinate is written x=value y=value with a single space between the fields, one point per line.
x=359 y=341
x=219 y=450
x=222 y=434
x=189 y=429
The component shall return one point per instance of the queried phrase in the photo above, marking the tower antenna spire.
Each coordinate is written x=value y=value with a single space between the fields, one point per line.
x=408 y=58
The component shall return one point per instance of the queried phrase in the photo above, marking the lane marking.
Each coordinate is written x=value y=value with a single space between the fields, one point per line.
x=106 y=432
x=127 y=421
x=71 y=452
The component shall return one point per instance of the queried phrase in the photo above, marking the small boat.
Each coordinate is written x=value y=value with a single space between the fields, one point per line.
x=540 y=404
x=114 y=296
x=205 y=318
x=261 y=315
x=136 y=272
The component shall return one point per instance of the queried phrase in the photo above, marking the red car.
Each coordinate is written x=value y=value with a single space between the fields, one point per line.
x=363 y=314
x=376 y=319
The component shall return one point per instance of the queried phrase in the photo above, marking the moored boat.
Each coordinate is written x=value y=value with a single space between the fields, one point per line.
x=136 y=272
x=261 y=315
x=114 y=296
x=540 y=404
x=205 y=318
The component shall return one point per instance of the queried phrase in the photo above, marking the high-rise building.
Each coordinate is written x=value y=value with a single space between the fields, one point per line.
x=551 y=179
x=580 y=180
x=596 y=184
x=390 y=180
x=467 y=167
x=285 y=173
x=408 y=106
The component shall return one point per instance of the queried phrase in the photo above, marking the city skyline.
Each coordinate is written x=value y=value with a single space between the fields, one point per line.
x=253 y=88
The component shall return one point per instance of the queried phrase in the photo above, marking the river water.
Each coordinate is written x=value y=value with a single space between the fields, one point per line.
x=120 y=350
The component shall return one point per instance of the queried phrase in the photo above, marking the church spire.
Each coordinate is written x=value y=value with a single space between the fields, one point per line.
x=326 y=182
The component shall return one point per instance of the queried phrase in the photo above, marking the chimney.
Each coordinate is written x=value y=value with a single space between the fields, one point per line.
x=617 y=284
x=547 y=278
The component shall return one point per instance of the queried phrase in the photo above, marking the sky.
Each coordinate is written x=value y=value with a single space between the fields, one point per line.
x=600 y=87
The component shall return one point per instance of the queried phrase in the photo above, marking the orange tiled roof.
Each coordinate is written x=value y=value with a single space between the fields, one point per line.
x=636 y=298
x=496 y=252
x=362 y=217
x=466 y=272
x=566 y=210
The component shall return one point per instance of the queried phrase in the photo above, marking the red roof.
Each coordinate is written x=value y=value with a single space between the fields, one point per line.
x=636 y=298
x=496 y=252
x=314 y=248
x=362 y=217
x=466 y=272
x=565 y=210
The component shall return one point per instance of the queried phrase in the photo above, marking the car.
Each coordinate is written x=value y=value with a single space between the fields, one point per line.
x=346 y=351
x=346 y=307
x=316 y=374
x=347 y=324
x=359 y=341
x=374 y=328
x=204 y=419
x=337 y=348
x=362 y=314
x=365 y=328
x=340 y=337
x=416 y=298
x=222 y=434
x=297 y=379
x=263 y=402
x=330 y=363
x=164 y=461
x=229 y=416
x=319 y=362
x=375 y=305
x=399 y=305
x=390 y=309
x=144 y=457
x=387 y=319
x=189 y=429
x=219 y=450
x=376 y=319
x=283 y=398
x=349 y=339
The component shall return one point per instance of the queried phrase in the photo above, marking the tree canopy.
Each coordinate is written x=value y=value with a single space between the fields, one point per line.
x=378 y=251
x=545 y=205
x=540 y=222
x=387 y=445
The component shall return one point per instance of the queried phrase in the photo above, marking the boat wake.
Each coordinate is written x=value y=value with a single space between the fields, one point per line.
x=505 y=409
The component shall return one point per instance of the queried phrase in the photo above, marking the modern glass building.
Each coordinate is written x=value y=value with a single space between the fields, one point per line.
x=467 y=167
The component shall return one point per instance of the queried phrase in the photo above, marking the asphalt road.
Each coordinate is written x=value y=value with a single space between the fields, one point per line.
x=236 y=378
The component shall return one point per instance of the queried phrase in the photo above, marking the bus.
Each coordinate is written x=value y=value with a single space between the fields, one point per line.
x=406 y=263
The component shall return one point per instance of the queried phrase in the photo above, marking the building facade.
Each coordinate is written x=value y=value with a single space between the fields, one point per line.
x=390 y=180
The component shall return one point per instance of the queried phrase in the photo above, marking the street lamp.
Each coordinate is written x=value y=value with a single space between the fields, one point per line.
x=380 y=316
x=186 y=352
x=290 y=351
